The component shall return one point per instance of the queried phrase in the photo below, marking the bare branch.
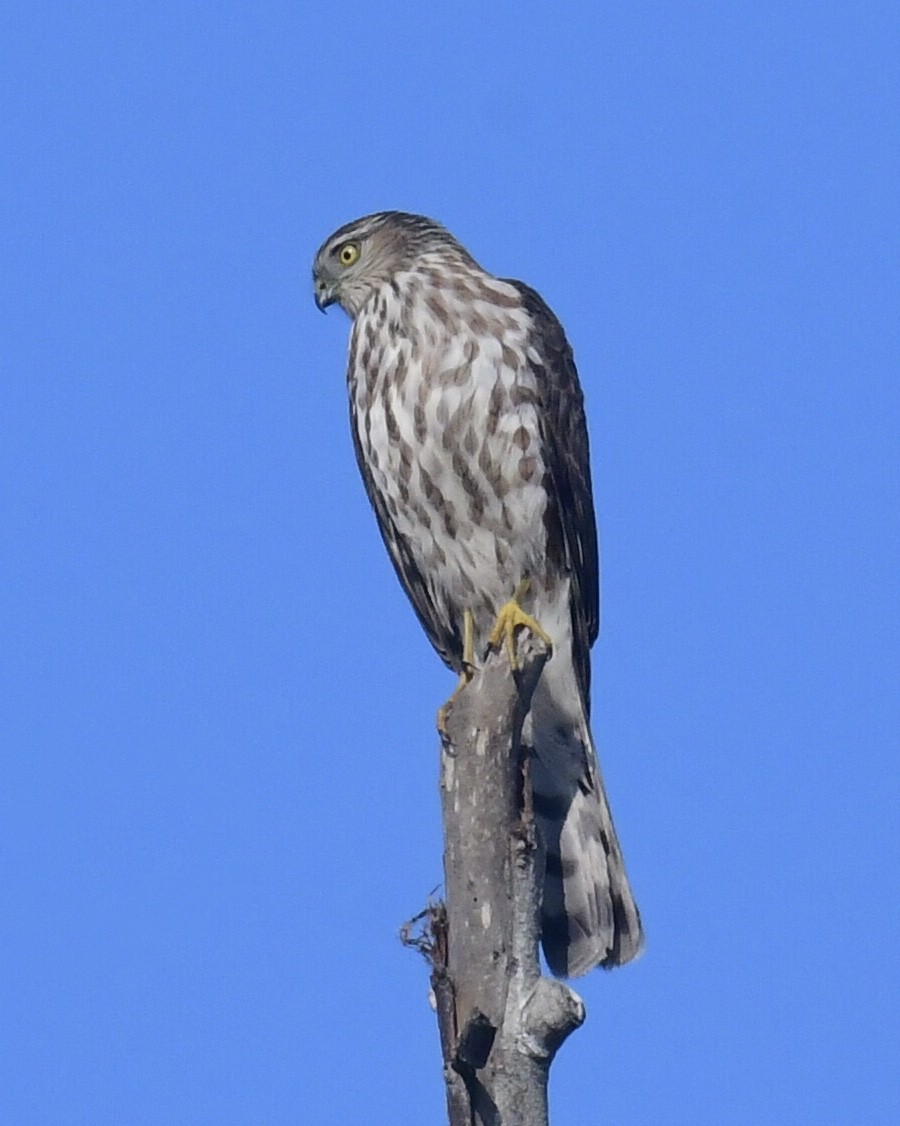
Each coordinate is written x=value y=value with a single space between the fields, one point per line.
x=500 y=1021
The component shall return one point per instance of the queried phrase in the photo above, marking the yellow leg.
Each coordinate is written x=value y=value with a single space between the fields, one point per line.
x=468 y=670
x=511 y=618
x=468 y=658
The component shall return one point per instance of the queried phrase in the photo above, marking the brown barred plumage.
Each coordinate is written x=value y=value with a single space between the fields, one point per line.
x=469 y=429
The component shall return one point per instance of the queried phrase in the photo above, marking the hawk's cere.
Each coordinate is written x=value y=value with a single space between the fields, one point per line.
x=470 y=434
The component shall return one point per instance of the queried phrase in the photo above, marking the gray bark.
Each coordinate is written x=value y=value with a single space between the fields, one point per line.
x=500 y=1021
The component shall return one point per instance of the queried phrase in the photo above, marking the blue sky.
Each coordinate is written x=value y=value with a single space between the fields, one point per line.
x=219 y=763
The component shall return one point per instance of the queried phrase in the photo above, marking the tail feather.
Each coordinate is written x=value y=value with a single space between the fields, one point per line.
x=589 y=916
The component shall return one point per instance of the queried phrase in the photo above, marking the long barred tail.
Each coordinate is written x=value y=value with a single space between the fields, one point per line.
x=589 y=915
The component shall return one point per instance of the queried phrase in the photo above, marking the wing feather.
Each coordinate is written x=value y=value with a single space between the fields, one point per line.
x=571 y=524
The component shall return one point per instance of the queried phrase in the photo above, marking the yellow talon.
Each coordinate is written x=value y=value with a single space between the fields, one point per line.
x=468 y=671
x=511 y=618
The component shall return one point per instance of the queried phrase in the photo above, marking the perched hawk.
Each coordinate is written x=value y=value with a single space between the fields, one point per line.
x=469 y=430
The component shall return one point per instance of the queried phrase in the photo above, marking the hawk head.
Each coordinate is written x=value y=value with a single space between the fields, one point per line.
x=363 y=255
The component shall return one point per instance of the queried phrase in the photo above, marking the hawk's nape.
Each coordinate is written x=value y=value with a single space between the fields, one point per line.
x=468 y=423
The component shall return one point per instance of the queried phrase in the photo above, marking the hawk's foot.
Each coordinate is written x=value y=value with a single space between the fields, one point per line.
x=511 y=618
x=468 y=671
x=443 y=713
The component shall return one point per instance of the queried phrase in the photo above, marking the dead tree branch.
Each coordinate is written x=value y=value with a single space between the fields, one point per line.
x=500 y=1021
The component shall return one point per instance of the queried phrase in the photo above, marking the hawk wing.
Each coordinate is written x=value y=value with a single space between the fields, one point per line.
x=571 y=525
x=444 y=635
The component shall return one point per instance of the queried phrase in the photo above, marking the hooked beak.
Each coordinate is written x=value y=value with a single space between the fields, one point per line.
x=324 y=295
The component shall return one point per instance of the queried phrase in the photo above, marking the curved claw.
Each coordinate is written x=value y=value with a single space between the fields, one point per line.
x=443 y=712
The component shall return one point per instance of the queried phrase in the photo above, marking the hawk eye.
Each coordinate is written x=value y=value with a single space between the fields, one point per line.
x=348 y=253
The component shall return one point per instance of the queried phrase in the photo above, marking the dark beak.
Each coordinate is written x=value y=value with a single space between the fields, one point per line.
x=324 y=297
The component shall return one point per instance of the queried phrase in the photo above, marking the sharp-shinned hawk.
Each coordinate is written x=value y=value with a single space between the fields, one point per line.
x=468 y=422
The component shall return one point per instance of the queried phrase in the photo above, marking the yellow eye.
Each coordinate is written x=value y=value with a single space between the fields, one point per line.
x=348 y=254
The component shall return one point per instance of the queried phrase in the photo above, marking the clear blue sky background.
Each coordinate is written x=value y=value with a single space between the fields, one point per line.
x=218 y=757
